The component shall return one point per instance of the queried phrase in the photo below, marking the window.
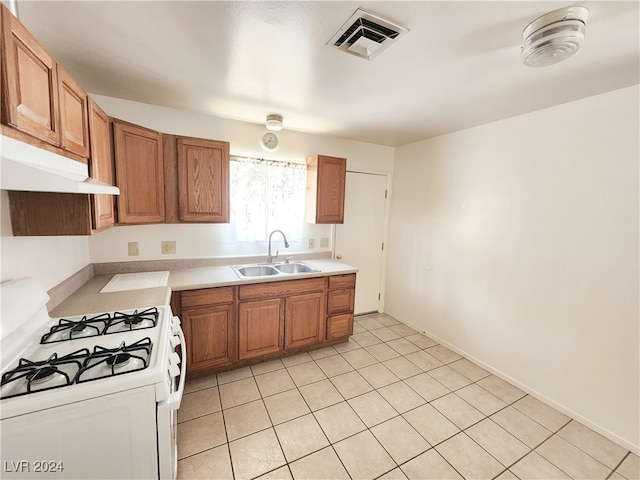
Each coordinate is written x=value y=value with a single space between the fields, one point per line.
x=266 y=195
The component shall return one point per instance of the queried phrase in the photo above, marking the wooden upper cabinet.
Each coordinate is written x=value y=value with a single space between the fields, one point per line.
x=139 y=174
x=29 y=83
x=203 y=180
x=326 y=178
x=74 y=125
x=50 y=213
x=101 y=166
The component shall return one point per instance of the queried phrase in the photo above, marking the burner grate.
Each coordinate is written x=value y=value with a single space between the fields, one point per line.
x=109 y=362
x=102 y=324
x=138 y=320
x=30 y=376
x=72 y=329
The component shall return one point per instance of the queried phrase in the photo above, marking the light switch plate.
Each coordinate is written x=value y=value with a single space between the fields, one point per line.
x=324 y=242
x=311 y=243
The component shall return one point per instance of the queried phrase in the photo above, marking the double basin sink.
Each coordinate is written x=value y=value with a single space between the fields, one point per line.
x=258 y=270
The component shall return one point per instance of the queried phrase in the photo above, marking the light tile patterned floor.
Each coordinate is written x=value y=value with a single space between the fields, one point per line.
x=390 y=403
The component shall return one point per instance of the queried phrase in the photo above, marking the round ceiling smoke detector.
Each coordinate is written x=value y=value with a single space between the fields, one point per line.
x=274 y=122
x=554 y=37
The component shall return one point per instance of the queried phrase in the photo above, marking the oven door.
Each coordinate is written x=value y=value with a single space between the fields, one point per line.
x=107 y=437
x=167 y=413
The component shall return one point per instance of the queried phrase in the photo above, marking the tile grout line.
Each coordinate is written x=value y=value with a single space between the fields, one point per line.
x=401 y=415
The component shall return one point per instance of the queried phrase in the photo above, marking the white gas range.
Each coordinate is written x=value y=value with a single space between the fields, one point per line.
x=88 y=396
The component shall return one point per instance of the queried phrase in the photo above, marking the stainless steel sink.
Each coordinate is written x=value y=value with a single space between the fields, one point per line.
x=296 y=267
x=255 y=270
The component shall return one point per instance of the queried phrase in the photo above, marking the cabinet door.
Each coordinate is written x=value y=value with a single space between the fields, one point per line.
x=304 y=320
x=139 y=174
x=30 y=93
x=326 y=179
x=203 y=180
x=74 y=125
x=210 y=337
x=100 y=166
x=260 y=327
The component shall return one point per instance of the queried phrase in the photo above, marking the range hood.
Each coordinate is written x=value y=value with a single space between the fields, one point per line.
x=28 y=168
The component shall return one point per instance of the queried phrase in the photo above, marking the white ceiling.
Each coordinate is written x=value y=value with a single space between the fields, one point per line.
x=459 y=65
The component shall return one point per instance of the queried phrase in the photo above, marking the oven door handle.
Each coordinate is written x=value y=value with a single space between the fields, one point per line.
x=173 y=402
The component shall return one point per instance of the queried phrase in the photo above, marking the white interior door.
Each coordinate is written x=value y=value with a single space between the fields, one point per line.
x=359 y=240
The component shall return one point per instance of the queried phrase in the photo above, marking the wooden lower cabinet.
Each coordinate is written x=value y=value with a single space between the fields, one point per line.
x=210 y=330
x=304 y=315
x=209 y=322
x=340 y=304
x=226 y=327
x=260 y=327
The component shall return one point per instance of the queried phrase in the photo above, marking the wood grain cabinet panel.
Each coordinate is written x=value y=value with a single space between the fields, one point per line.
x=340 y=304
x=207 y=296
x=210 y=334
x=260 y=327
x=339 y=326
x=326 y=180
x=49 y=213
x=280 y=289
x=340 y=301
x=101 y=166
x=139 y=174
x=209 y=321
x=74 y=123
x=261 y=321
x=29 y=83
x=304 y=320
x=203 y=180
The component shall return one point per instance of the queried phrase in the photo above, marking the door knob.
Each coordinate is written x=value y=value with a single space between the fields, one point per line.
x=339 y=257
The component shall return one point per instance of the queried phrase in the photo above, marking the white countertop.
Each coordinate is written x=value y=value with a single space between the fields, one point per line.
x=88 y=299
x=207 y=277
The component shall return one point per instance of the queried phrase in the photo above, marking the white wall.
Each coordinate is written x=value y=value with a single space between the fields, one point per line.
x=48 y=260
x=193 y=241
x=517 y=243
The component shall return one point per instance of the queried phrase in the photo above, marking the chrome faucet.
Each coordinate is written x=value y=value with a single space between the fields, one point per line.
x=286 y=245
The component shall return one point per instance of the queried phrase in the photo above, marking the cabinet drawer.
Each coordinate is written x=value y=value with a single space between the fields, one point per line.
x=207 y=296
x=340 y=301
x=339 y=326
x=280 y=289
x=342 y=281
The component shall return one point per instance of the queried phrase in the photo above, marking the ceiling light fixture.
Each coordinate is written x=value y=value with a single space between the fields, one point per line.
x=554 y=36
x=274 y=122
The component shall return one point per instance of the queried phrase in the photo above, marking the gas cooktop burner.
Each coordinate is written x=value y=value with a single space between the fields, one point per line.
x=72 y=329
x=30 y=376
x=123 y=322
x=108 y=362
x=41 y=375
x=119 y=359
x=77 y=367
x=102 y=324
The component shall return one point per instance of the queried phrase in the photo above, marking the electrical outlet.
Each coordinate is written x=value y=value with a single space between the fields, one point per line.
x=133 y=249
x=311 y=243
x=168 y=247
x=324 y=242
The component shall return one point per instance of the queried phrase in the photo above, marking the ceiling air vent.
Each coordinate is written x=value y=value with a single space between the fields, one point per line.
x=366 y=35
